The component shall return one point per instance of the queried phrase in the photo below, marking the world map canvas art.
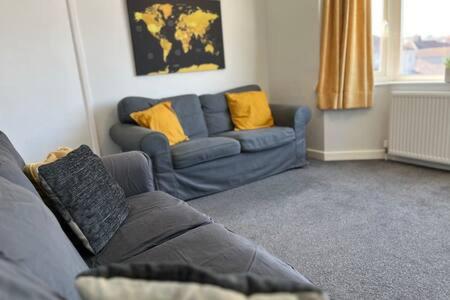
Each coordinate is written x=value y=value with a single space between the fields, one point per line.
x=175 y=36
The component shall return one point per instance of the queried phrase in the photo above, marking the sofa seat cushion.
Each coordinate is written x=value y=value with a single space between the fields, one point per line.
x=153 y=218
x=215 y=248
x=202 y=150
x=262 y=139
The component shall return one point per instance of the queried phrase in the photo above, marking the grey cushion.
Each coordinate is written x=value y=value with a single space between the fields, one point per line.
x=19 y=284
x=31 y=236
x=262 y=139
x=153 y=219
x=198 y=151
x=187 y=107
x=86 y=196
x=215 y=109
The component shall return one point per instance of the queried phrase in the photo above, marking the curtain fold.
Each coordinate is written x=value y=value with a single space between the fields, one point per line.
x=346 y=70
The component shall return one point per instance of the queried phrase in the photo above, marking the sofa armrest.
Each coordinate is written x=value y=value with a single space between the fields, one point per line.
x=155 y=144
x=131 y=137
x=296 y=117
x=132 y=170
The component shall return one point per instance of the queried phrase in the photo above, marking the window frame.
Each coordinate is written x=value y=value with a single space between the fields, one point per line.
x=391 y=50
x=381 y=74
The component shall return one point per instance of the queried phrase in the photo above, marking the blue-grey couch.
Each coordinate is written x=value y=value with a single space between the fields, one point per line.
x=159 y=229
x=216 y=157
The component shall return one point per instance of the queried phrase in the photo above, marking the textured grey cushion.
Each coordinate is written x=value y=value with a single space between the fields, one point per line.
x=18 y=284
x=198 y=151
x=86 y=197
x=187 y=107
x=262 y=139
x=154 y=218
x=215 y=109
x=31 y=236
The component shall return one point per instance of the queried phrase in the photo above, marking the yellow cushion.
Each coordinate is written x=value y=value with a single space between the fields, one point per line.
x=162 y=118
x=250 y=110
x=32 y=170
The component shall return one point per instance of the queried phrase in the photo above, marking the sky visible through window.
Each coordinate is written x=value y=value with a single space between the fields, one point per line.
x=425 y=38
x=426 y=17
x=378 y=27
x=377 y=17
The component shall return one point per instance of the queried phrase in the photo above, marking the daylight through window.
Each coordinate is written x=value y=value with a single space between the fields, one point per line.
x=411 y=39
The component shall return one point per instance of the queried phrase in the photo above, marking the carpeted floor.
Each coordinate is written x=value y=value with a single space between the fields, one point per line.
x=359 y=230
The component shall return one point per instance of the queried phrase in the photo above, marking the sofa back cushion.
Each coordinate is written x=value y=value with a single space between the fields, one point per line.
x=11 y=165
x=17 y=283
x=7 y=150
x=215 y=109
x=29 y=232
x=31 y=236
x=187 y=107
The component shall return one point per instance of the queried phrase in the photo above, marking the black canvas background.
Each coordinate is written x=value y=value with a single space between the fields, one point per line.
x=144 y=43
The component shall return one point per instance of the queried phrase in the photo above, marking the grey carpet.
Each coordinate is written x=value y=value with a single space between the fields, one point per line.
x=359 y=230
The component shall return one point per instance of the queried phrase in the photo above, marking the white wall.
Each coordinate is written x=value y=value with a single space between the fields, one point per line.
x=293 y=38
x=40 y=96
x=364 y=131
x=106 y=37
x=359 y=132
x=294 y=57
x=273 y=43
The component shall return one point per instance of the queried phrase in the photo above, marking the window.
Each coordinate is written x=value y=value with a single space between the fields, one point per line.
x=411 y=39
x=378 y=33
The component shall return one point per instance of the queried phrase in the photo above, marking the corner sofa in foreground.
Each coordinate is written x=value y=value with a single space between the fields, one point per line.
x=216 y=157
x=159 y=228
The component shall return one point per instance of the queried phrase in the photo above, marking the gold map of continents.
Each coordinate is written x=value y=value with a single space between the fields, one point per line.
x=177 y=37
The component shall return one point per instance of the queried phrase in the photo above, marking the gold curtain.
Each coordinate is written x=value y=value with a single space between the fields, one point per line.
x=346 y=71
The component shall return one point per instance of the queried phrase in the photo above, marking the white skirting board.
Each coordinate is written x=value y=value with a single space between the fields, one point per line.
x=376 y=154
x=370 y=155
x=421 y=163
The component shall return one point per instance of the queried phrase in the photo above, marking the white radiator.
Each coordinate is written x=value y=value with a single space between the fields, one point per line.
x=420 y=127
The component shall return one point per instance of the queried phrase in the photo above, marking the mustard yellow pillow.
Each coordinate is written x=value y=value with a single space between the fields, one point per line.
x=250 y=110
x=32 y=170
x=162 y=118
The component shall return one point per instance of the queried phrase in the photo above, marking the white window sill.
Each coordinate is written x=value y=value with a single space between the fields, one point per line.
x=412 y=82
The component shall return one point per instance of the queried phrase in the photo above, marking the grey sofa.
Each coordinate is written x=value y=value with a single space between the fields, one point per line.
x=159 y=228
x=216 y=158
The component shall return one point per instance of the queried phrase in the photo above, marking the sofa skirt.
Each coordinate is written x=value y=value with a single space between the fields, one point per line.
x=230 y=172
